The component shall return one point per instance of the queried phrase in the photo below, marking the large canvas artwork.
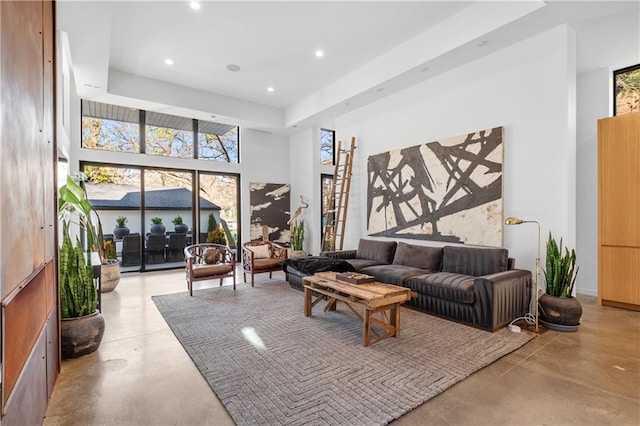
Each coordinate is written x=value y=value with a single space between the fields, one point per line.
x=448 y=190
x=270 y=207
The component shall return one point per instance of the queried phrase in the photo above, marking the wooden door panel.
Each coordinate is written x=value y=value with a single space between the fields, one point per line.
x=619 y=180
x=620 y=274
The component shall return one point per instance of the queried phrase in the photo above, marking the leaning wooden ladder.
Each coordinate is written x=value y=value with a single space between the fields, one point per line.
x=335 y=218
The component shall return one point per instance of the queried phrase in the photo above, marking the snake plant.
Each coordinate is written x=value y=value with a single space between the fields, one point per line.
x=297 y=235
x=78 y=294
x=561 y=271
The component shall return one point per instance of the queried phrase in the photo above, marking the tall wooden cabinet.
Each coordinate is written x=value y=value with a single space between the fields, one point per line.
x=29 y=342
x=619 y=211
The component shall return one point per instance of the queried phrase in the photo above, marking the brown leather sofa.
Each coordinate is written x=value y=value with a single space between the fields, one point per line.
x=477 y=286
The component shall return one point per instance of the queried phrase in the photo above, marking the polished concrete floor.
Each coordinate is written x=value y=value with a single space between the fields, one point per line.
x=141 y=375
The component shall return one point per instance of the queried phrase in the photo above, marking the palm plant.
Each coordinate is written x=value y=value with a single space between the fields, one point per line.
x=73 y=201
x=561 y=271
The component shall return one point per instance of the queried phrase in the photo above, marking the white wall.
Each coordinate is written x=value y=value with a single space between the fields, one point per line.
x=527 y=88
x=616 y=39
x=594 y=102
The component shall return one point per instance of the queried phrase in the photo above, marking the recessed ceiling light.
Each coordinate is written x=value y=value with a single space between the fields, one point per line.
x=380 y=89
x=424 y=69
x=168 y=61
x=270 y=89
x=233 y=67
x=482 y=43
x=195 y=5
x=319 y=53
x=212 y=116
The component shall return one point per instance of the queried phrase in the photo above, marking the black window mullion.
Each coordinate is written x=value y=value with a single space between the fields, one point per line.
x=143 y=132
x=195 y=139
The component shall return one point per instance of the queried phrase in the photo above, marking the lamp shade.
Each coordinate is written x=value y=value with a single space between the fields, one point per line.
x=513 y=221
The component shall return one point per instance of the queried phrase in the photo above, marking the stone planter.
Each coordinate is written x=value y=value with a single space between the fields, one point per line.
x=562 y=314
x=181 y=228
x=158 y=229
x=81 y=336
x=120 y=231
x=109 y=276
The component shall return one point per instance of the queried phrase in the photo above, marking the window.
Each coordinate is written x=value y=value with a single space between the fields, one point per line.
x=117 y=128
x=327 y=146
x=326 y=214
x=626 y=90
x=110 y=127
x=168 y=135
x=218 y=142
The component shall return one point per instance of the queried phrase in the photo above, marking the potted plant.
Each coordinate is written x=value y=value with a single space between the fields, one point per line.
x=215 y=234
x=179 y=227
x=297 y=239
x=110 y=276
x=156 y=226
x=120 y=230
x=559 y=310
x=82 y=326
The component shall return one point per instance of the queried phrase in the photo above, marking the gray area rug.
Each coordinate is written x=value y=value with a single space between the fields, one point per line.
x=268 y=364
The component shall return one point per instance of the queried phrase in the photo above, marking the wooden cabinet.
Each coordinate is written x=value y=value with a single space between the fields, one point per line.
x=29 y=342
x=619 y=211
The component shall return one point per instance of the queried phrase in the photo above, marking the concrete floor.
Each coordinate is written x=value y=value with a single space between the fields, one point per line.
x=142 y=376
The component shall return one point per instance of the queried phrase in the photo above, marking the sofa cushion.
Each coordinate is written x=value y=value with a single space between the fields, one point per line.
x=379 y=251
x=392 y=274
x=421 y=257
x=474 y=261
x=358 y=264
x=444 y=285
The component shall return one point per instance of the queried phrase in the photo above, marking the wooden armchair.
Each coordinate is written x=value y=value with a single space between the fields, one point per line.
x=208 y=262
x=261 y=256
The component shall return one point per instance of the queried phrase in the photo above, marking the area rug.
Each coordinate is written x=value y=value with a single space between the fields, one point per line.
x=268 y=364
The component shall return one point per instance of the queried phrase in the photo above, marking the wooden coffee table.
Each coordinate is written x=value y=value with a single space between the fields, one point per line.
x=374 y=297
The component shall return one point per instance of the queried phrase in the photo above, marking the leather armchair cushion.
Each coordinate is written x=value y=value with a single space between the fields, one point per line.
x=421 y=257
x=266 y=264
x=445 y=285
x=200 y=271
x=474 y=261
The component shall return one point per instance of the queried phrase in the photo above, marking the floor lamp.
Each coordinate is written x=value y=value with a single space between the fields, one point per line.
x=517 y=221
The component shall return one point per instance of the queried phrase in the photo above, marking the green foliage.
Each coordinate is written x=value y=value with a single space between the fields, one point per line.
x=297 y=235
x=177 y=220
x=73 y=203
x=212 y=223
x=561 y=271
x=78 y=295
x=217 y=236
x=156 y=220
x=121 y=221
x=110 y=250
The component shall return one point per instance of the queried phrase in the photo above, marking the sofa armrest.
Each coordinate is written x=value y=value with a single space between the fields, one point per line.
x=340 y=254
x=502 y=297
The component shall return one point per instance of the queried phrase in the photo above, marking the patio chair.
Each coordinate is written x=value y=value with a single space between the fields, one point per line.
x=208 y=262
x=261 y=256
x=131 y=252
x=155 y=248
x=175 y=248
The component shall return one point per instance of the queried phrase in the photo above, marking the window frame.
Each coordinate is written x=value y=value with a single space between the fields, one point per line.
x=615 y=86
x=333 y=147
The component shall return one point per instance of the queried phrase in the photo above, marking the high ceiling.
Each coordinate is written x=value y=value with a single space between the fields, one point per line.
x=371 y=49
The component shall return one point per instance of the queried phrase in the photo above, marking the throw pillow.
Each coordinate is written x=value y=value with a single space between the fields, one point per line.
x=211 y=256
x=260 y=252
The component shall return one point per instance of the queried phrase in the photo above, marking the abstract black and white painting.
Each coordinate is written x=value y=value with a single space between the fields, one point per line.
x=270 y=207
x=448 y=190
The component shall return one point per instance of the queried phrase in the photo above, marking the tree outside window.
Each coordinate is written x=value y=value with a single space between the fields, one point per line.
x=627 y=90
